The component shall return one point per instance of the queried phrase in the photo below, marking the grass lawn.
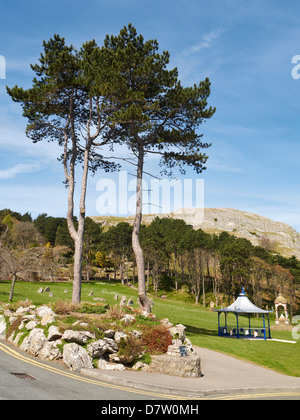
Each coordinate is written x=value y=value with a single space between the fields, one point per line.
x=201 y=324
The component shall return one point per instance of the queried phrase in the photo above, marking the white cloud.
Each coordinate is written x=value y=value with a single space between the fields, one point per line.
x=206 y=42
x=19 y=169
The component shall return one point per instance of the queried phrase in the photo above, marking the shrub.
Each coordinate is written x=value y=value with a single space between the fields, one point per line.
x=20 y=304
x=130 y=349
x=156 y=339
x=61 y=307
x=116 y=312
x=14 y=326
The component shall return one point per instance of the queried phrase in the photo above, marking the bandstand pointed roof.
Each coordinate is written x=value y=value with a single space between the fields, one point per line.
x=243 y=305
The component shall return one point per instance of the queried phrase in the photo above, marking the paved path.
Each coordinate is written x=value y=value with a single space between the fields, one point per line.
x=222 y=374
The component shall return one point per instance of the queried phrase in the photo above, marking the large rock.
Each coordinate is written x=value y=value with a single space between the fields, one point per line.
x=178 y=331
x=76 y=357
x=47 y=319
x=185 y=367
x=119 y=336
x=50 y=351
x=104 y=365
x=112 y=346
x=78 y=337
x=2 y=326
x=34 y=342
x=31 y=325
x=97 y=348
x=54 y=333
x=44 y=310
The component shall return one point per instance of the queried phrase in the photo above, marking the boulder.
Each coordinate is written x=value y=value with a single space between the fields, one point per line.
x=165 y=322
x=120 y=335
x=31 y=325
x=104 y=365
x=97 y=348
x=76 y=357
x=178 y=331
x=22 y=310
x=109 y=333
x=185 y=367
x=44 y=310
x=36 y=341
x=47 y=319
x=79 y=337
x=50 y=351
x=2 y=326
x=112 y=346
x=54 y=333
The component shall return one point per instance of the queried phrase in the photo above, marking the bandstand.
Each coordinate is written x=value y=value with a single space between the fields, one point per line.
x=244 y=307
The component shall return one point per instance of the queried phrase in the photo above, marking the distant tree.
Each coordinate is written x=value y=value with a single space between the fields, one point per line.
x=26 y=217
x=48 y=225
x=235 y=265
x=63 y=237
x=24 y=234
x=267 y=243
x=117 y=242
x=176 y=231
x=6 y=226
x=13 y=214
x=91 y=239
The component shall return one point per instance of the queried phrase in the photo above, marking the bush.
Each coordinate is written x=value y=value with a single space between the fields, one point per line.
x=14 y=327
x=116 y=312
x=130 y=349
x=156 y=339
x=61 y=307
x=20 y=304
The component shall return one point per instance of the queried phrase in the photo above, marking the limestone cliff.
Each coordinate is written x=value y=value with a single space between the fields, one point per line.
x=284 y=238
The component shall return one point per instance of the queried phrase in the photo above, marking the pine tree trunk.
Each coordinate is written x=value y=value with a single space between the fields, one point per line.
x=77 y=277
x=77 y=235
x=138 y=252
x=11 y=294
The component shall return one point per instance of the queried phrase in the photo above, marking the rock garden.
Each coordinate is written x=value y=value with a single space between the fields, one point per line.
x=96 y=336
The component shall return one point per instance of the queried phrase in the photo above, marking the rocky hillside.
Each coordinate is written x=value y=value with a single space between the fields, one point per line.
x=283 y=238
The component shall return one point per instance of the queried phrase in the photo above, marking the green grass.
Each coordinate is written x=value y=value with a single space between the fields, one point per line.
x=201 y=324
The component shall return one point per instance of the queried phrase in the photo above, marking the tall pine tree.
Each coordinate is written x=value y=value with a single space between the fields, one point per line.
x=154 y=114
x=65 y=105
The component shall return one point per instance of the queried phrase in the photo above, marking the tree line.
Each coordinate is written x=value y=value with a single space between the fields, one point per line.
x=211 y=267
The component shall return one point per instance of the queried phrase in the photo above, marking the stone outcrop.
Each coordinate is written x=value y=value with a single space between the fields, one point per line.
x=33 y=330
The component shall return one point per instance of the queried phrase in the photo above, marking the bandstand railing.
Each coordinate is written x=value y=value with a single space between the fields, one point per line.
x=242 y=332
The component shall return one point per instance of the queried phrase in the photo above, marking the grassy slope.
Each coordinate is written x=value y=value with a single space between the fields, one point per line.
x=201 y=324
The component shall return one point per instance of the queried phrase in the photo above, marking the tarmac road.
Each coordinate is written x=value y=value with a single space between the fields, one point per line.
x=51 y=381
x=224 y=378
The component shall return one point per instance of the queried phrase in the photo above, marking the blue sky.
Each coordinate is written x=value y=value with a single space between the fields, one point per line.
x=245 y=48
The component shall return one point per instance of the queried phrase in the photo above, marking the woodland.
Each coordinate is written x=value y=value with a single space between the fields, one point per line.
x=180 y=262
